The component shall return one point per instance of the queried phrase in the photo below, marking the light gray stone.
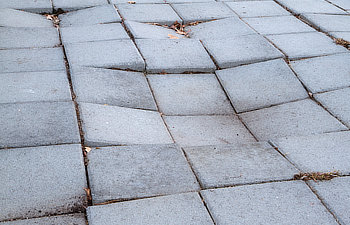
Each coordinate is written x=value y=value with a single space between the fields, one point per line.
x=34 y=6
x=189 y=94
x=76 y=219
x=68 y=5
x=41 y=181
x=342 y=35
x=328 y=23
x=116 y=54
x=207 y=130
x=187 y=1
x=240 y=50
x=137 y=1
x=272 y=203
x=17 y=18
x=131 y=172
x=291 y=119
x=257 y=8
x=39 y=123
x=172 y=210
x=175 y=56
x=311 y=6
x=261 y=85
x=133 y=126
x=345 y=4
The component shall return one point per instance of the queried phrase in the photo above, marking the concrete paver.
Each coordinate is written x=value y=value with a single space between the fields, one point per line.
x=257 y=8
x=342 y=35
x=328 y=23
x=138 y=1
x=76 y=219
x=68 y=5
x=18 y=18
x=311 y=6
x=37 y=6
x=150 y=31
x=341 y=3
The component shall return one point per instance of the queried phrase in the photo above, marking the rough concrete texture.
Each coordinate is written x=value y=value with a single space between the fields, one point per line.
x=17 y=18
x=328 y=23
x=311 y=6
x=34 y=6
x=68 y=5
x=74 y=219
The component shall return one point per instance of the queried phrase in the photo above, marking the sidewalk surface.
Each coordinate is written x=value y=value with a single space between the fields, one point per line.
x=174 y=112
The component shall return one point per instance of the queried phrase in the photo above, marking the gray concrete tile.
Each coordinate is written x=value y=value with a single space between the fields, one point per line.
x=118 y=54
x=175 y=56
x=17 y=18
x=172 y=210
x=272 y=203
x=130 y=172
x=137 y=1
x=187 y=1
x=189 y=94
x=34 y=6
x=68 y=5
x=207 y=130
x=39 y=123
x=342 y=35
x=112 y=87
x=345 y=4
x=240 y=50
x=328 y=23
x=76 y=219
x=133 y=126
x=41 y=181
x=311 y=6
x=291 y=119
x=261 y=85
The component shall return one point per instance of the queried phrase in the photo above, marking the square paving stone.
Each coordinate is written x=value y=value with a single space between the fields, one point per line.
x=328 y=23
x=324 y=73
x=17 y=18
x=311 y=6
x=68 y=5
x=171 y=210
x=150 y=31
x=149 y=13
x=337 y=102
x=41 y=181
x=31 y=60
x=227 y=165
x=90 y=16
x=34 y=86
x=207 y=130
x=112 y=125
x=318 y=153
x=73 y=219
x=203 y=11
x=189 y=94
x=336 y=194
x=116 y=54
x=291 y=119
x=130 y=172
x=261 y=85
x=272 y=203
x=38 y=123
x=97 y=32
x=240 y=50
x=112 y=87
x=175 y=56
x=345 y=4
x=34 y=6
x=302 y=45
x=257 y=8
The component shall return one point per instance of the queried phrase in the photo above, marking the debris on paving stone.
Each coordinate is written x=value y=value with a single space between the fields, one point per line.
x=88 y=194
x=178 y=28
x=172 y=36
x=131 y=2
x=315 y=176
x=87 y=149
x=341 y=41
x=53 y=18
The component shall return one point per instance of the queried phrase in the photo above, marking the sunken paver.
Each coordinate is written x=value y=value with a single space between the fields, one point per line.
x=291 y=119
x=149 y=13
x=289 y=202
x=30 y=60
x=175 y=56
x=336 y=195
x=342 y=35
x=324 y=73
x=303 y=45
x=137 y=1
x=337 y=102
x=172 y=210
x=17 y=18
x=207 y=130
x=227 y=165
x=133 y=126
x=257 y=8
x=34 y=86
x=203 y=11
x=131 y=172
x=118 y=54
x=76 y=219
x=328 y=23
x=261 y=85
x=311 y=6
x=97 y=32
x=189 y=94
x=38 y=123
x=34 y=6
x=240 y=50
x=318 y=153
x=112 y=87
x=150 y=31
x=68 y=5
x=40 y=181
x=345 y=4
x=90 y=16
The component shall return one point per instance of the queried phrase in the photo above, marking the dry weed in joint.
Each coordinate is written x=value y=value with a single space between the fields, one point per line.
x=341 y=41
x=315 y=176
x=53 y=18
x=88 y=194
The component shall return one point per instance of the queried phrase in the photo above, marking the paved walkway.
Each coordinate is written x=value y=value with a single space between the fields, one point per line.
x=176 y=112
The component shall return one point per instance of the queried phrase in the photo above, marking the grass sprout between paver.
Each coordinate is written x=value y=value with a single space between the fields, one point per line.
x=315 y=176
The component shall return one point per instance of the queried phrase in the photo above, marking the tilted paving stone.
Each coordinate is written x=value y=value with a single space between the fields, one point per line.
x=189 y=94
x=303 y=45
x=318 y=153
x=37 y=6
x=133 y=126
x=207 y=130
x=18 y=18
x=112 y=87
x=240 y=50
x=311 y=6
x=130 y=172
x=76 y=219
x=187 y=1
x=90 y=16
x=345 y=4
x=137 y=1
x=290 y=119
x=38 y=123
x=342 y=35
x=289 y=202
x=324 y=73
x=328 y=23
x=68 y=5
x=227 y=165
x=175 y=56
x=172 y=210
x=257 y=8
x=118 y=54
x=260 y=85
x=41 y=181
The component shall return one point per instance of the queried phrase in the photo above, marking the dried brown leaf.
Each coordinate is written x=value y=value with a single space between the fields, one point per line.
x=131 y=2
x=315 y=176
x=172 y=36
